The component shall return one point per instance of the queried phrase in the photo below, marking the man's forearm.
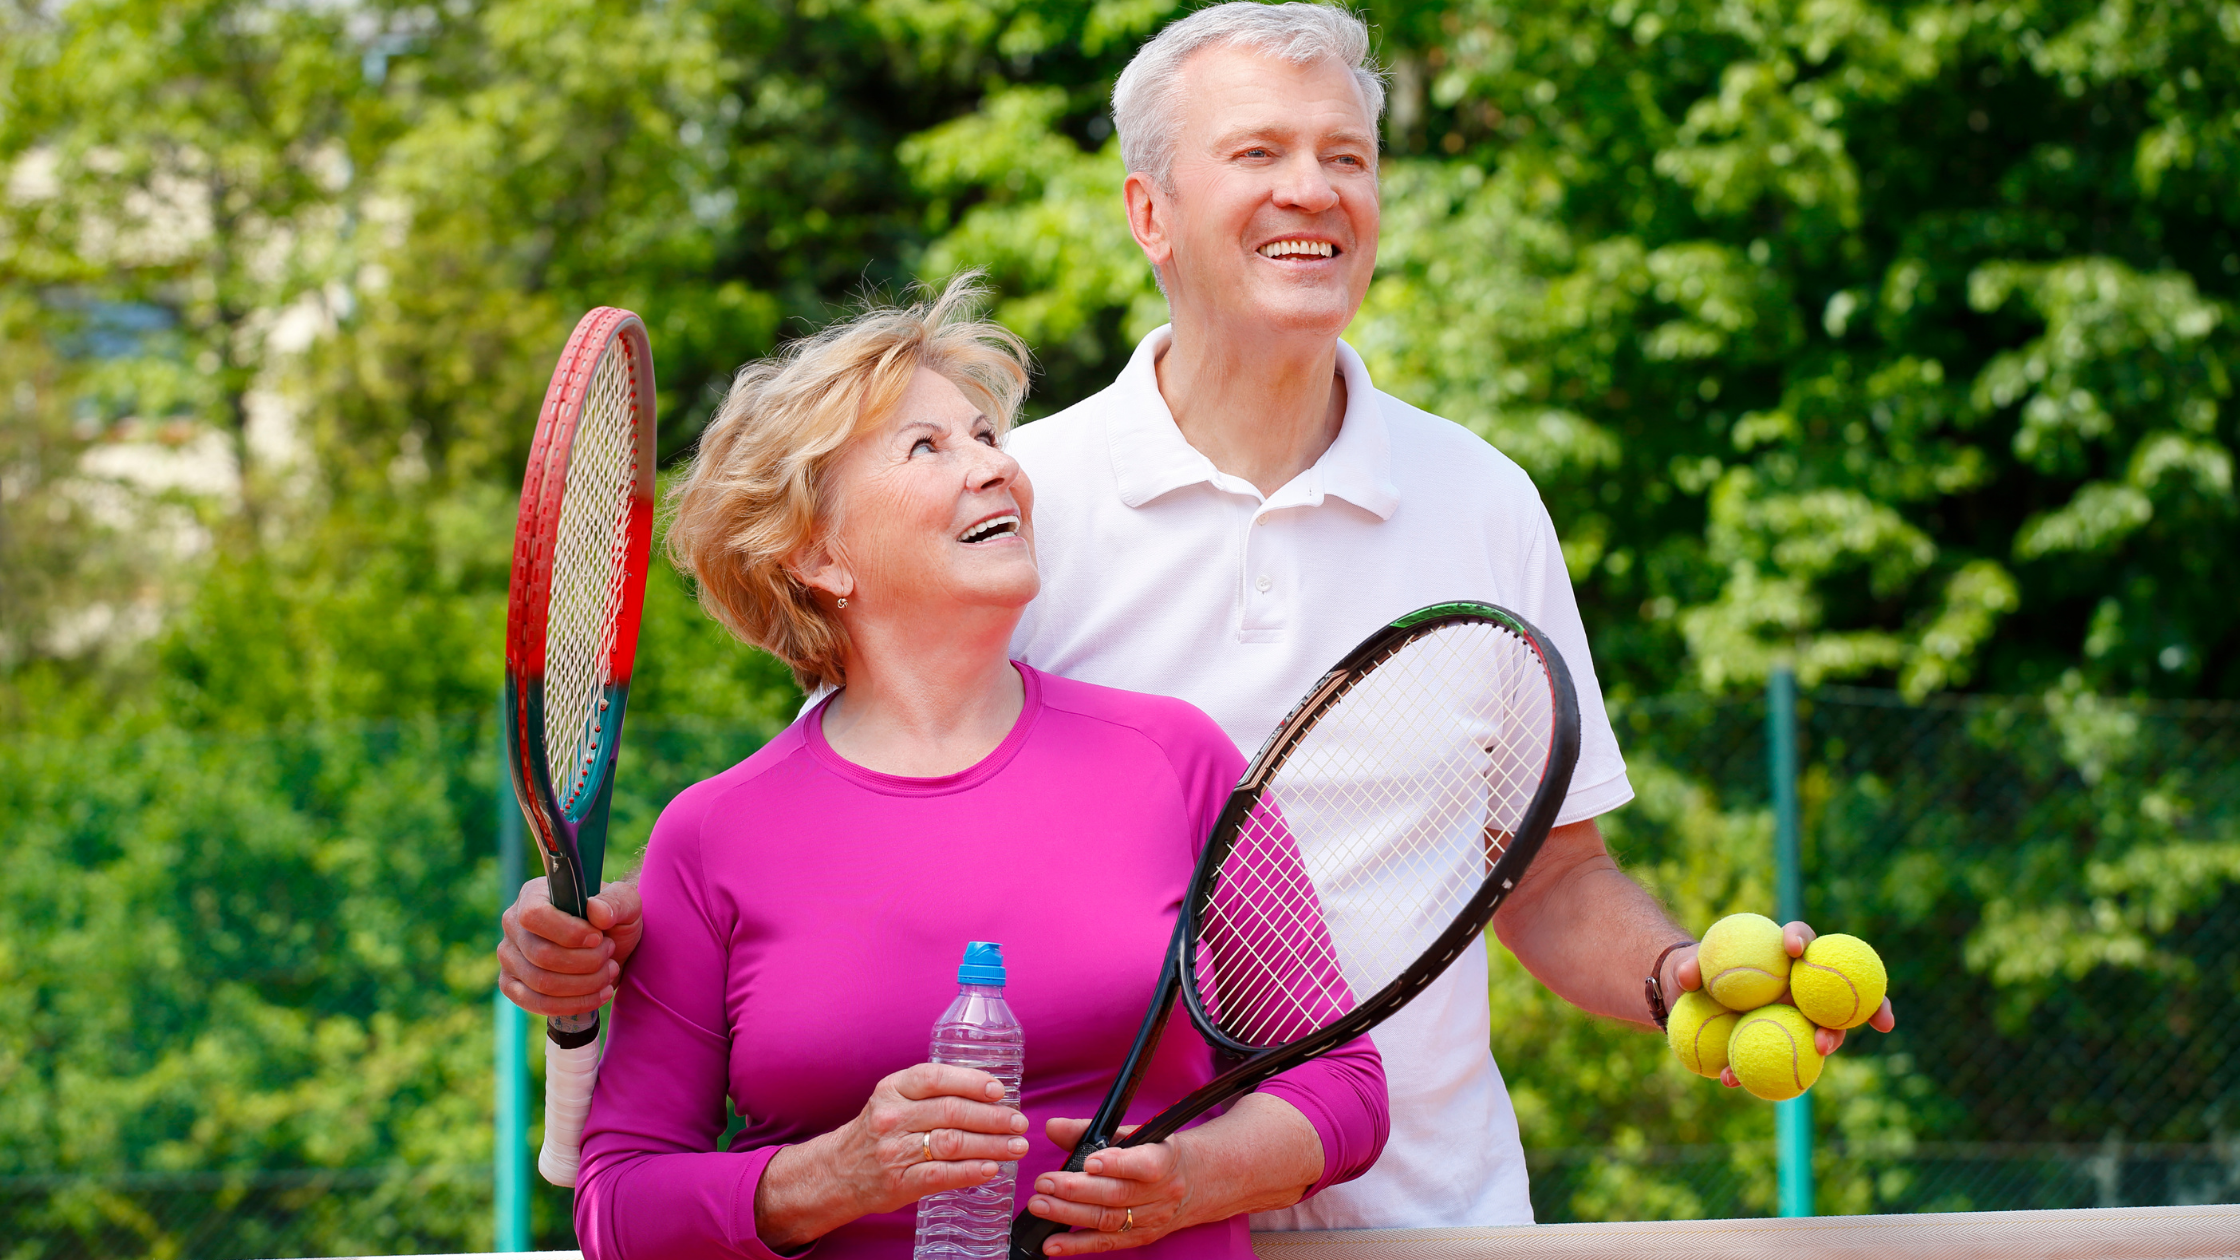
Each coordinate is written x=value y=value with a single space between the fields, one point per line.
x=1585 y=929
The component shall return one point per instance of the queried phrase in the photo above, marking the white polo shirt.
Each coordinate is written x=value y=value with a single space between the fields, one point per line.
x=1161 y=573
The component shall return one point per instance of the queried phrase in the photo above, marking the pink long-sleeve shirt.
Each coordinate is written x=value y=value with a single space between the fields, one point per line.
x=804 y=917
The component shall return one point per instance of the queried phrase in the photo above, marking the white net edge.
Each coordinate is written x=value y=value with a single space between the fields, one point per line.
x=2133 y=1233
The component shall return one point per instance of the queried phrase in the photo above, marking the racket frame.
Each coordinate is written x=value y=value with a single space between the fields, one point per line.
x=572 y=842
x=1249 y=1065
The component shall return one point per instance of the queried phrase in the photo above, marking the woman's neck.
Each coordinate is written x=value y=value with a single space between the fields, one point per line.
x=925 y=698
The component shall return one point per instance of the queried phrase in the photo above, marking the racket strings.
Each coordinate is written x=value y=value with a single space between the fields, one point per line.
x=1379 y=825
x=1266 y=966
x=589 y=567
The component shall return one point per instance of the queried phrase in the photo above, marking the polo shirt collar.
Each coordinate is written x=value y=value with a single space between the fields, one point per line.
x=1151 y=458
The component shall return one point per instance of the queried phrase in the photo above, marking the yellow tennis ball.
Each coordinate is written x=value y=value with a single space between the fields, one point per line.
x=1840 y=981
x=1772 y=1054
x=1697 y=1029
x=1744 y=964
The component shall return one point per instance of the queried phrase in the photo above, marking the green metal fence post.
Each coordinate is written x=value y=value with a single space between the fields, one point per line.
x=510 y=1167
x=1792 y=1120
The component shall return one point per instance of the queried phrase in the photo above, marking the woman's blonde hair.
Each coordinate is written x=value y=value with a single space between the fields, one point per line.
x=758 y=492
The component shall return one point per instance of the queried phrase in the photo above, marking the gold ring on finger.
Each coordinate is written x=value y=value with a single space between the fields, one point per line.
x=1129 y=1223
x=925 y=1142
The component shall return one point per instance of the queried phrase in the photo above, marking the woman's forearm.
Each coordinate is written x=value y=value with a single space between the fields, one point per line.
x=925 y=1129
x=802 y=1197
x=1262 y=1154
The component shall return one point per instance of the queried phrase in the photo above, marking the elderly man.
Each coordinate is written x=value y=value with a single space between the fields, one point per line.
x=1239 y=508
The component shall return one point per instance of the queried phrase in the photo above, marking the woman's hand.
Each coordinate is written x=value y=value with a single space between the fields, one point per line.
x=1259 y=1156
x=1120 y=1198
x=925 y=1129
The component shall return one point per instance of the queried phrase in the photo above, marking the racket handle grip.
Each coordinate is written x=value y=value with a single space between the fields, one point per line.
x=1028 y=1233
x=570 y=1072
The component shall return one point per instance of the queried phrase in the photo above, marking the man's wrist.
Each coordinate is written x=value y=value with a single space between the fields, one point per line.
x=1657 y=991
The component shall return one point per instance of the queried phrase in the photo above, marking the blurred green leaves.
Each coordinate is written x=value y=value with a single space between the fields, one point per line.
x=1892 y=341
x=1876 y=338
x=286 y=1005
x=1045 y=224
x=1798 y=312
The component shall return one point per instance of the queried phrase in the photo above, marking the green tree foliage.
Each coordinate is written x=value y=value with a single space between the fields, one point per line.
x=246 y=954
x=48 y=540
x=185 y=155
x=1892 y=340
x=264 y=833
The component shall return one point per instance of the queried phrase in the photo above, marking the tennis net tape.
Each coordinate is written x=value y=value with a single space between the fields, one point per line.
x=2134 y=1233
x=2143 y=1233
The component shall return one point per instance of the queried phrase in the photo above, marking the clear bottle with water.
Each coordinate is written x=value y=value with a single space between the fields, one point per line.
x=977 y=1031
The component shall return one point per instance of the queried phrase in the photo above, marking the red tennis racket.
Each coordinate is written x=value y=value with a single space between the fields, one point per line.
x=580 y=553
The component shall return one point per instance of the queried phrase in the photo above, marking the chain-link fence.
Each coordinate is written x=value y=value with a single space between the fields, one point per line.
x=1732 y=1180
x=248 y=978
x=250 y=952
x=2055 y=884
x=337 y=1211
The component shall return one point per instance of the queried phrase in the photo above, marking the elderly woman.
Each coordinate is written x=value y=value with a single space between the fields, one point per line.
x=852 y=511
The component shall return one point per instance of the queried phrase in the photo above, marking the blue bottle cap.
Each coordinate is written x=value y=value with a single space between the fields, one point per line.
x=983 y=963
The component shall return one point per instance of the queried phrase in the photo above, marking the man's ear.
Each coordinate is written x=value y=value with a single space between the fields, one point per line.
x=1148 y=211
x=819 y=567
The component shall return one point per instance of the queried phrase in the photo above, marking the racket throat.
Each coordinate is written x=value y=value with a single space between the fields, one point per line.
x=1105 y=1125
x=591 y=837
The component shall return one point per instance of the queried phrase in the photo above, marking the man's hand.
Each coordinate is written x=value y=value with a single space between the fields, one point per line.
x=1794 y=937
x=1588 y=932
x=553 y=963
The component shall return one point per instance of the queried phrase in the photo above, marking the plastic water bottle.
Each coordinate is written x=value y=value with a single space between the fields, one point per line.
x=977 y=1031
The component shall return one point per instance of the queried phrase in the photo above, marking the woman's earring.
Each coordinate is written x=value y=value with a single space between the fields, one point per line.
x=843 y=601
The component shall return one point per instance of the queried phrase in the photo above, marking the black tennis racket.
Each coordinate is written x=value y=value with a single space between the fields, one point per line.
x=1367 y=846
x=580 y=553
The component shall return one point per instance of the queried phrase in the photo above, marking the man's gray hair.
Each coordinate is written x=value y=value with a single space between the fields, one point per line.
x=1146 y=102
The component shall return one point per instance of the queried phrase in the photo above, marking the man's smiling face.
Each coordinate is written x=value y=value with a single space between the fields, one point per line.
x=1270 y=224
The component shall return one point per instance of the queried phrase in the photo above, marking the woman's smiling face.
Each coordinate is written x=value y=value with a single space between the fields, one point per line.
x=929 y=513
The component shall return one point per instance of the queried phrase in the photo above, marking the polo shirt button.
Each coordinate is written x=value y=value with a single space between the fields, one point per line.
x=1264 y=583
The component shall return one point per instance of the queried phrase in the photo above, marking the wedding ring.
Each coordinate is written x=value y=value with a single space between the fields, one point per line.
x=925 y=1141
x=1130 y=1223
